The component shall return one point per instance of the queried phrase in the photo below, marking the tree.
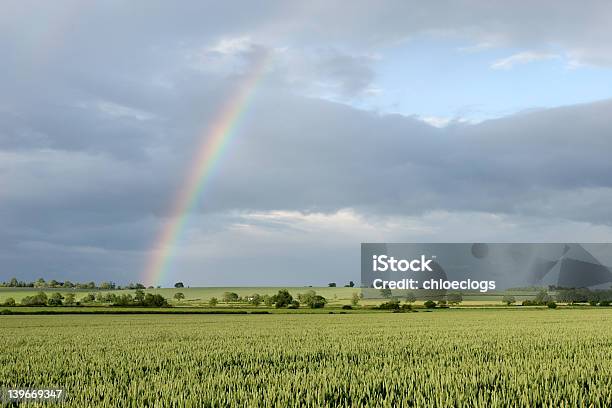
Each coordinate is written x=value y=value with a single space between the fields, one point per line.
x=430 y=304
x=230 y=297
x=40 y=299
x=255 y=299
x=542 y=298
x=509 y=300
x=151 y=300
x=179 y=285
x=331 y=284
x=139 y=295
x=282 y=299
x=107 y=285
x=179 y=296
x=40 y=283
x=454 y=298
x=351 y=284
x=68 y=284
x=70 y=299
x=13 y=283
x=268 y=300
x=9 y=302
x=55 y=299
x=355 y=299
x=213 y=301
x=311 y=299
x=410 y=297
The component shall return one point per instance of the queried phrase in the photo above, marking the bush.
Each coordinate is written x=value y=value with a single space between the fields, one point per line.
x=294 y=305
x=528 y=303
x=430 y=304
x=551 y=305
x=604 y=303
x=347 y=307
x=5 y=312
x=406 y=307
x=390 y=305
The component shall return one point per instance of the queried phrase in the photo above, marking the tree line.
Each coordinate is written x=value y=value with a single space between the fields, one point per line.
x=53 y=284
x=282 y=299
x=601 y=297
x=139 y=299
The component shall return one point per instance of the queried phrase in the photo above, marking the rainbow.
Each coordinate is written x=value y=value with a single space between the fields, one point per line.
x=214 y=140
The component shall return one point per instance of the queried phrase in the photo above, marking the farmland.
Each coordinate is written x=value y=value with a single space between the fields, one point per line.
x=456 y=357
x=197 y=297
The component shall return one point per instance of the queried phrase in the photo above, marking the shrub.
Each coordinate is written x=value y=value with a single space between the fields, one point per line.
x=5 y=312
x=9 y=302
x=604 y=303
x=347 y=307
x=551 y=305
x=294 y=305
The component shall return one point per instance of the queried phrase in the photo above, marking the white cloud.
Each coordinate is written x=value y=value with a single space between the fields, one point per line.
x=521 y=58
x=122 y=111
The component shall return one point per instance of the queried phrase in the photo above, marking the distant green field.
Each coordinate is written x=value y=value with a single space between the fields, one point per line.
x=446 y=358
x=199 y=296
x=192 y=294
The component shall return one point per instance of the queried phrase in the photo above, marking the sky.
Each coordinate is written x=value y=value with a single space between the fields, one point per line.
x=369 y=121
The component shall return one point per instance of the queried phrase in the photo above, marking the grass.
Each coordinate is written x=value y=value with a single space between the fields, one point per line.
x=462 y=358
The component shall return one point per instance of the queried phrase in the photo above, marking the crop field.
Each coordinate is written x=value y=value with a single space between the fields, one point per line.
x=462 y=358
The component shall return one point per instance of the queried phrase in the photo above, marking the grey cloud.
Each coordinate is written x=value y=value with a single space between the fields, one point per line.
x=102 y=106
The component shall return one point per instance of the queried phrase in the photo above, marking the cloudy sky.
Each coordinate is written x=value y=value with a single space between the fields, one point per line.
x=373 y=122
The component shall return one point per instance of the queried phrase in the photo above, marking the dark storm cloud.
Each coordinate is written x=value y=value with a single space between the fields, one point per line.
x=102 y=106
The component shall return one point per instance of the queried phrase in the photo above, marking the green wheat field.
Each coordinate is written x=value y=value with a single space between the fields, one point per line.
x=444 y=358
